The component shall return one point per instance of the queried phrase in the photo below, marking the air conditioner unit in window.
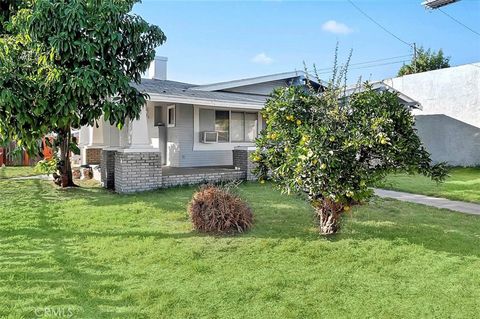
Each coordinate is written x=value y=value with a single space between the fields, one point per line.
x=209 y=137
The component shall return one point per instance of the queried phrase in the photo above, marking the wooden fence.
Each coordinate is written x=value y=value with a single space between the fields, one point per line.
x=11 y=155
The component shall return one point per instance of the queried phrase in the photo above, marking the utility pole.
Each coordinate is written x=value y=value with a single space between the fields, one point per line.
x=414 y=57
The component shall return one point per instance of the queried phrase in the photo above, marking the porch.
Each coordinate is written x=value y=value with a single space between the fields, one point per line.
x=132 y=171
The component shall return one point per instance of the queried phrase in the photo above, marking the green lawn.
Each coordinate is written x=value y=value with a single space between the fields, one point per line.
x=111 y=256
x=463 y=184
x=17 y=171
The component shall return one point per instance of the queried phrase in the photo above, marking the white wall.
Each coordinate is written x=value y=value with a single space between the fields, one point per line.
x=453 y=91
x=449 y=124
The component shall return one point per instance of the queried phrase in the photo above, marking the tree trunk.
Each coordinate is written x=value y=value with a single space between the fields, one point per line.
x=64 y=166
x=329 y=215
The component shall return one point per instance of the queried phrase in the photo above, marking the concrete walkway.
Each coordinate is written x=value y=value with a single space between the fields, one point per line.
x=43 y=177
x=463 y=207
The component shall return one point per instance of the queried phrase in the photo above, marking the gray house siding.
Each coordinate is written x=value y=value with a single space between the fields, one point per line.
x=180 y=143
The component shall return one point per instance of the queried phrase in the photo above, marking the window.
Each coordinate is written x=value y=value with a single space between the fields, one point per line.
x=222 y=125
x=251 y=126
x=238 y=126
x=171 y=116
x=158 y=115
x=231 y=126
x=244 y=126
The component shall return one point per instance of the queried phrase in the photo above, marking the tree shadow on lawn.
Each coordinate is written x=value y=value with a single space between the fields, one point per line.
x=41 y=267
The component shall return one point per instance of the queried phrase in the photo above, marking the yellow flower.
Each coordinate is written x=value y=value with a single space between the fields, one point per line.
x=262 y=181
x=323 y=166
x=299 y=122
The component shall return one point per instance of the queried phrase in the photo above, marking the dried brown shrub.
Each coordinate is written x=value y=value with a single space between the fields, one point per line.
x=216 y=210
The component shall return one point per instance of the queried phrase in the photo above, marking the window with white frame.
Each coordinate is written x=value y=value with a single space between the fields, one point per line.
x=231 y=126
x=171 y=116
x=222 y=125
x=244 y=126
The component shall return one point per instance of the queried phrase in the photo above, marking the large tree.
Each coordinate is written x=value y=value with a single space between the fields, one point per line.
x=64 y=64
x=425 y=60
x=333 y=148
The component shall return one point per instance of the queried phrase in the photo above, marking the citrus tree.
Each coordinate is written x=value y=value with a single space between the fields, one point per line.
x=333 y=147
x=65 y=64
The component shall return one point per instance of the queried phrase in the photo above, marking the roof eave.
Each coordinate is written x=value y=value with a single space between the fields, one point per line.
x=155 y=97
x=251 y=81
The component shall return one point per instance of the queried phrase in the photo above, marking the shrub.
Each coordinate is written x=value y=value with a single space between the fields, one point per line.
x=47 y=166
x=217 y=210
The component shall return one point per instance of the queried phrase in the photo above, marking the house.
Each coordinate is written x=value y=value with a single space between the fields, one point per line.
x=449 y=121
x=186 y=133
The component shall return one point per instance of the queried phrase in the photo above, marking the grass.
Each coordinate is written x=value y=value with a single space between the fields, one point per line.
x=17 y=171
x=463 y=184
x=102 y=255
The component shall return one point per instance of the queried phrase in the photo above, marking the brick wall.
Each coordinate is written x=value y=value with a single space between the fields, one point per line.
x=107 y=169
x=137 y=171
x=201 y=178
x=241 y=159
x=93 y=156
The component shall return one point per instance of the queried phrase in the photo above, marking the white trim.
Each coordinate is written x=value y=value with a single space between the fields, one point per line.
x=155 y=97
x=173 y=106
x=254 y=80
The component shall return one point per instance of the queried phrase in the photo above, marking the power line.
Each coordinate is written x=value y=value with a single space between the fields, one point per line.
x=380 y=64
x=385 y=59
x=459 y=22
x=378 y=24
x=328 y=70
x=371 y=61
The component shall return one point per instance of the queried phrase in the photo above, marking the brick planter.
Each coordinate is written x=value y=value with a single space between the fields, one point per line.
x=137 y=171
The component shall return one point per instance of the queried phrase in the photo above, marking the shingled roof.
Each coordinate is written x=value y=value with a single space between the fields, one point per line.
x=166 y=88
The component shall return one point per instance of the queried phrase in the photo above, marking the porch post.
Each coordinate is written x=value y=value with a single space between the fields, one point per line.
x=92 y=152
x=137 y=165
x=138 y=132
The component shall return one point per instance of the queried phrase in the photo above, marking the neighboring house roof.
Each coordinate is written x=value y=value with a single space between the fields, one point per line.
x=256 y=80
x=179 y=92
x=381 y=86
